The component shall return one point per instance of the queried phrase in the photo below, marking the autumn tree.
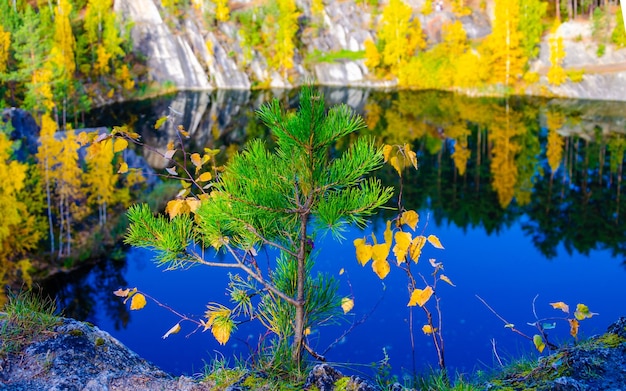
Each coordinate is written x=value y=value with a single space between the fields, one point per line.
x=531 y=26
x=281 y=199
x=5 y=43
x=556 y=73
x=62 y=56
x=102 y=176
x=18 y=231
x=282 y=35
x=103 y=35
x=400 y=35
x=503 y=48
x=70 y=198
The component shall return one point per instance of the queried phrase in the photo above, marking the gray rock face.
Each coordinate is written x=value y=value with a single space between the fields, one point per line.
x=604 y=77
x=170 y=57
x=80 y=357
x=22 y=127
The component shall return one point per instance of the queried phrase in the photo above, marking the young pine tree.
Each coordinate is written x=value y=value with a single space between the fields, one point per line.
x=281 y=199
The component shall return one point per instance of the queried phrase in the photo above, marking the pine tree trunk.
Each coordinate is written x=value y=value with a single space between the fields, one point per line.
x=49 y=201
x=298 y=337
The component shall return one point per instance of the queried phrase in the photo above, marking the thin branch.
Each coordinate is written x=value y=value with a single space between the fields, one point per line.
x=506 y=323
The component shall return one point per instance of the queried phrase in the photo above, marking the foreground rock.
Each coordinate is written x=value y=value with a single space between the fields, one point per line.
x=596 y=364
x=77 y=356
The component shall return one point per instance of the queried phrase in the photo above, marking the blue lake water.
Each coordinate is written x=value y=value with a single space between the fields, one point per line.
x=565 y=242
x=505 y=269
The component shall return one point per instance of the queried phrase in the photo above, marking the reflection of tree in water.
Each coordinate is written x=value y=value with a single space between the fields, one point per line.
x=522 y=161
x=78 y=292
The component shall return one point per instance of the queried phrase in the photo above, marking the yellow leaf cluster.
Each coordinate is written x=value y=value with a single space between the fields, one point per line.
x=428 y=329
x=5 y=43
x=137 y=300
x=182 y=206
x=420 y=296
x=403 y=158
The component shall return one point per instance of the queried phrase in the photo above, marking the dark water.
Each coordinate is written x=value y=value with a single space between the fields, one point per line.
x=526 y=196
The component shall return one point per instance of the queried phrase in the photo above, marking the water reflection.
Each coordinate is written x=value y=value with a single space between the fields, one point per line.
x=507 y=184
x=85 y=294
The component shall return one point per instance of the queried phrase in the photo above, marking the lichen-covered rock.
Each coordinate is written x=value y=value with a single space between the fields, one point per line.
x=323 y=377
x=596 y=364
x=77 y=356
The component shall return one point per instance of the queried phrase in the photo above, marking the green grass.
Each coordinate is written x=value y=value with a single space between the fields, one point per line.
x=317 y=57
x=25 y=318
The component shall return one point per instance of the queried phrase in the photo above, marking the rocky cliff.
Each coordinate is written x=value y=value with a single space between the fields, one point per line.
x=192 y=52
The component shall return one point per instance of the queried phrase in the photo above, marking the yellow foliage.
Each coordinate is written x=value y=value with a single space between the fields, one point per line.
x=506 y=59
x=64 y=42
x=372 y=55
x=555 y=143
x=400 y=35
x=222 y=13
x=556 y=73
x=454 y=38
x=420 y=296
x=5 y=43
x=504 y=151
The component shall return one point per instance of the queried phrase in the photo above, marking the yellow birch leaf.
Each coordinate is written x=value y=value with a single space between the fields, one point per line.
x=432 y=239
x=307 y=331
x=175 y=329
x=582 y=312
x=176 y=207
x=445 y=278
x=428 y=329
x=573 y=327
x=538 y=341
x=363 y=251
x=560 y=306
x=205 y=177
x=410 y=218
x=137 y=302
x=170 y=146
x=119 y=145
x=183 y=132
x=509 y=326
x=380 y=252
x=196 y=160
x=221 y=332
x=388 y=235
x=123 y=168
x=416 y=247
x=395 y=164
x=420 y=296
x=341 y=271
x=403 y=241
x=347 y=304
x=122 y=292
x=410 y=155
x=381 y=268
x=386 y=152
x=160 y=122
x=193 y=204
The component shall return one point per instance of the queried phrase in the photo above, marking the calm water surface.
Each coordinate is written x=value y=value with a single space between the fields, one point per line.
x=525 y=195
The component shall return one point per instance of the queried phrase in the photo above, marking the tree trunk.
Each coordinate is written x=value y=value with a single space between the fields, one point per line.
x=557 y=9
x=298 y=337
